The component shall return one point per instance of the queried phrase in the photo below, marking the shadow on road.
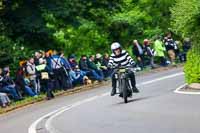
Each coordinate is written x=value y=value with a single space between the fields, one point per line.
x=134 y=100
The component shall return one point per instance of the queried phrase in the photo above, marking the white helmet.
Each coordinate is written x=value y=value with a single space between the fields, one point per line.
x=115 y=45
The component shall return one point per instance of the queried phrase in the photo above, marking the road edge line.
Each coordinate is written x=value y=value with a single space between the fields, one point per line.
x=177 y=90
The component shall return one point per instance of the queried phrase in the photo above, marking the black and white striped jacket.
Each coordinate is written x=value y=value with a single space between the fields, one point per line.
x=124 y=59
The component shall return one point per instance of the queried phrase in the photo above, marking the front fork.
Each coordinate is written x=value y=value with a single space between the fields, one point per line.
x=119 y=81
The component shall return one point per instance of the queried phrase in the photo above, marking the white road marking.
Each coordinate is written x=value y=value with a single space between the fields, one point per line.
x=178 y=90
x=53 y=114
x=162 y=78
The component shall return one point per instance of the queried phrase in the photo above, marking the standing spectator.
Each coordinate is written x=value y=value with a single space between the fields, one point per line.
x=160 y=51
x=48 y=56
x=93 y=66
x=38 y=55
x=67 y=68
x=170 y=47
x=32 y=75
x=186 y=47
x=45 y=78
x=139 y=53
x=149 y=52
x=59 y=65
x=83 y=64
x=177 y=51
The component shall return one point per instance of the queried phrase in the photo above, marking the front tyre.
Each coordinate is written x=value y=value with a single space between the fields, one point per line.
x=124 y=91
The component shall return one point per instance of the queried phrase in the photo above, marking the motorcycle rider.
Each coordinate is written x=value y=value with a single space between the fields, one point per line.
x=121 y=57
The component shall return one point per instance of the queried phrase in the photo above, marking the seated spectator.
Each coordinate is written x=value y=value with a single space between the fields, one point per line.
x=83 y=64
x=77 y=76
x=72 y=61
x=32 y=75
x=7 y=85
x=101 y=66
x=20 y=82
x=149 y=52
x=93 y=66
x=139 y=53
x=105 y=59
x=4 y=100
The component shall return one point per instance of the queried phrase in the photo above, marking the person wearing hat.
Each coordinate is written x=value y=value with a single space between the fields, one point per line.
x=72 y=61
x=120 y=57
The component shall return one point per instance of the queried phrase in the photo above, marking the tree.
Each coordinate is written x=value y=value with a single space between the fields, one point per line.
x=185 y=21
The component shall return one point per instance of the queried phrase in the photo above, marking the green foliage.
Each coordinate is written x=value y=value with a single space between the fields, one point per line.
x=192 y=68
x=86 y=38
x=11 y=53
x=81 y=27
x=185 y=22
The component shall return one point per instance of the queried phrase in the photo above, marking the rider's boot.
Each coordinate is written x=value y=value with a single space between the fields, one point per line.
x=113 y=92
x=135 y=90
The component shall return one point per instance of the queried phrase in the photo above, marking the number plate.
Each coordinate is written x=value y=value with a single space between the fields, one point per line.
x=122 y=70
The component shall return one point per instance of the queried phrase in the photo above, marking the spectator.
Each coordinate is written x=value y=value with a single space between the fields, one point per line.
x=160 y=51
x=47 y=57
x=186 y=47
x=4 y=100
x=72 y=61
x=45 y=78
x=93 y=66
x=60 y=67
x=177 y=51
x=149 y=52
x=100 y=65
x=139 y=53
x=38 y=55
x=7 y=85
x=105 y=59
x=170 y=47
x=77 y=76
x=20 y=82
x=83 y=64
x=32 y=75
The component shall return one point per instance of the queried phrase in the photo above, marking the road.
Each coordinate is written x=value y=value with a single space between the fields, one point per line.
x=156 y=109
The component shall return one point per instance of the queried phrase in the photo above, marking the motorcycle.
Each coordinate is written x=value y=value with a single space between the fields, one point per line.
x=123 y=83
